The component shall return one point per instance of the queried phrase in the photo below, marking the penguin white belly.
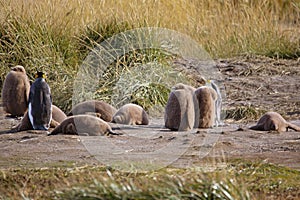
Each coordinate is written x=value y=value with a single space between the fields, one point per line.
x=40 y=105
x=30 y=115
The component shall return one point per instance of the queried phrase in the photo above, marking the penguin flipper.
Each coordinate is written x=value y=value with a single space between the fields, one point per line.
x=293 y=127
x=111 y=132
x=258 y=127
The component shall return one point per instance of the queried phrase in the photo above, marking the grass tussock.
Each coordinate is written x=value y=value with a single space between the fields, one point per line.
x=56 y=35
x=239 y=180
x=244 y=113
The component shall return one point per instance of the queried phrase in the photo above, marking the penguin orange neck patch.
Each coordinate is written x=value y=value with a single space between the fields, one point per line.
x=40 y=75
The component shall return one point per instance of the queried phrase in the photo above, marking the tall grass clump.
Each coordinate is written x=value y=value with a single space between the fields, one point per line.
x=36 y=47
x=56 y=35
x=240 y=179
x=244 y=113
x=142 y=76
x=190 y=185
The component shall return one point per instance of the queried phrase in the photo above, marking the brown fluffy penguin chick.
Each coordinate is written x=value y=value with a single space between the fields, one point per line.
x=15 y=91
x=131 y=114
x=102 y=109
x=57 y=117
x=206 y=97
x=179 y=86
x=57 y=114
x=273 y=121
x=84 y=125
x=24 y=125
x=179 y=111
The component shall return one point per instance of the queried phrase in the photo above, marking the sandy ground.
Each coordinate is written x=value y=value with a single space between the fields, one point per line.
x=263 y=83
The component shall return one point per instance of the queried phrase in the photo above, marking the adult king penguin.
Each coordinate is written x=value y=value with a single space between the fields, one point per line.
x=40 y=101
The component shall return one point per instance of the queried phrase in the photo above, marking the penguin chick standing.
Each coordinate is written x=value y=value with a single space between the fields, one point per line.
x=15 y=91
x=40 y=101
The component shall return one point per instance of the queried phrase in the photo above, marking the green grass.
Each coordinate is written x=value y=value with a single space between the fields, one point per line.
x=238 y=180
x=267 y=179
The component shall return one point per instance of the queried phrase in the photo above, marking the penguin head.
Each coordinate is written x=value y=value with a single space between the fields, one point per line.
x=18 y=68
x=40 y=75
x=208 y=82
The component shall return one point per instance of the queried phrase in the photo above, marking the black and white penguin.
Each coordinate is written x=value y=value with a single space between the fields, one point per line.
x=40 y=101
x=218 y=102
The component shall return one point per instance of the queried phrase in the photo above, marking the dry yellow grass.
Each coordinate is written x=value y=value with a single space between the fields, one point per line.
x=224 y=27
x=58 y=34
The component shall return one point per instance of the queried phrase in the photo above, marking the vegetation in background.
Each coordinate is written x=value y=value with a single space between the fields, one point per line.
x=56 y=36
x=244 y=113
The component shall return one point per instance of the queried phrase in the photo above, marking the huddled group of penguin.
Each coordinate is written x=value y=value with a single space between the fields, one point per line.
x=190 y=107
x=187 y=108
x=34 y=104
x=18 y=96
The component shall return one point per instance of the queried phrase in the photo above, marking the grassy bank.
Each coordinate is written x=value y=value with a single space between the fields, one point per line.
x=57 y=35
x=239 y=180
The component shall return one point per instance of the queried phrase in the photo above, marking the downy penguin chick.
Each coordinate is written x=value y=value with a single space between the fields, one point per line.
x=84 y=125
x=131 y=114
x=180 y=109
x=15 y=91
x=104 y=110
x=273 y=121
x=206 y=97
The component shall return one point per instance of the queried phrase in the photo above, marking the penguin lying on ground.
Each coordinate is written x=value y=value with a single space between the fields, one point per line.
x=84 y=125
x=131 y=114
x=102 y=109
x=273 y=121
x=57 y=117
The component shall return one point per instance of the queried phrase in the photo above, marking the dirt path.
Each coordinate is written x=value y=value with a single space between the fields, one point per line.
x=261 y=83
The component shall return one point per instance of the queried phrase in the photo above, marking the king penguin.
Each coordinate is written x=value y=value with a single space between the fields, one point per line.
x=40 y=103
x=218 y=102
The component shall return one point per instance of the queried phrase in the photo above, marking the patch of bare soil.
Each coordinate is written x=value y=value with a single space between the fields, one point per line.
x=263 y=83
